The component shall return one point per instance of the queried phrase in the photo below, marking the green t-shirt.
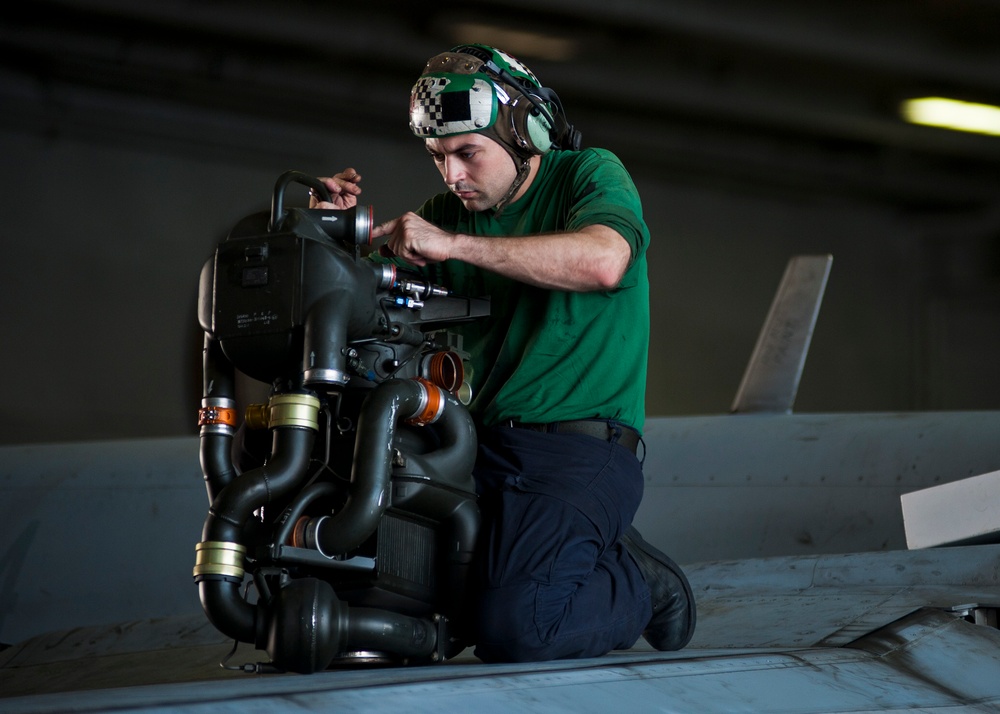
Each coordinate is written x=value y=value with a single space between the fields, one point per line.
x=552 y=355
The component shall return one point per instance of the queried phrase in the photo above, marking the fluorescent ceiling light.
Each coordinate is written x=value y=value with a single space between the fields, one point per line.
x=519 y=43
x=953 y=114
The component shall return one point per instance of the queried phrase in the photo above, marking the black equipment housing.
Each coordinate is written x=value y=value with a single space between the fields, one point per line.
x=348 y=499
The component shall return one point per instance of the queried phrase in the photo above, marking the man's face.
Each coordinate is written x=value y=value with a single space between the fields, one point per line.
x=474 y=167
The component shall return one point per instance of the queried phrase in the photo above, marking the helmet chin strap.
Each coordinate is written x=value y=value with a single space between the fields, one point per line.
x=522 y=174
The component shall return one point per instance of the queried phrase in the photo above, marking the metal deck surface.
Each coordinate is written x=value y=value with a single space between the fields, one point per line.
x=858 y=632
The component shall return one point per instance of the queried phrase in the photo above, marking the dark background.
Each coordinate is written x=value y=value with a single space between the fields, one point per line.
x=134 y=135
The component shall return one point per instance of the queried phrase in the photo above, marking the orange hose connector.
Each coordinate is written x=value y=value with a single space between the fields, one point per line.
x=445 y=369
x=216 y=415
x=432 y=403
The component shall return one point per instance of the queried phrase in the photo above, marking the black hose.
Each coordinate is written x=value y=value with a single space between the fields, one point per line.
x=309 y=626
x=309 y=494
x=452 y=462
x=216 y=463
x=385 y=631
x=219 y=594
x=218 y=389
x=228 y=612
x=289 y=462
x=368 y=493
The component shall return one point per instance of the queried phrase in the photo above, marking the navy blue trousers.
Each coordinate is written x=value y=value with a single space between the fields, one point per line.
x=554 y=580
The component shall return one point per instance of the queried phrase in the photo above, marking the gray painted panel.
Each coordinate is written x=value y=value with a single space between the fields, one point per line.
x=100 y=532
x=744 y=486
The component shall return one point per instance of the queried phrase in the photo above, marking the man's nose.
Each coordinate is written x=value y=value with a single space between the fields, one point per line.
x=453 y=171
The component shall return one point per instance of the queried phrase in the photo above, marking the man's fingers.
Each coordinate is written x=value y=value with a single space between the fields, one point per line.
x=344 y=182
x=384 y=229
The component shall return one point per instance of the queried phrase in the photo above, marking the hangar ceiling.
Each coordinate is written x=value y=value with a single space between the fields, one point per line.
x=778 y=93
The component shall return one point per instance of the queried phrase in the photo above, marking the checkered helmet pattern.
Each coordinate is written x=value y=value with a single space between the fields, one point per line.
x=445 y=104
x=515 y=66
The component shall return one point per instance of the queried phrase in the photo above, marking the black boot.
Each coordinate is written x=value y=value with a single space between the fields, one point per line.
x=672 y=623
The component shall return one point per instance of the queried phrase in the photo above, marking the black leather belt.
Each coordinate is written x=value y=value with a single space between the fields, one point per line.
x=627 y=436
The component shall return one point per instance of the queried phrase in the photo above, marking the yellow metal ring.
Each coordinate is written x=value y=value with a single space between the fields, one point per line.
x=214 y=557
x=294 y=410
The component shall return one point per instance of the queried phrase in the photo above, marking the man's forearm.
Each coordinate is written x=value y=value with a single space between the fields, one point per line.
x=594 y=258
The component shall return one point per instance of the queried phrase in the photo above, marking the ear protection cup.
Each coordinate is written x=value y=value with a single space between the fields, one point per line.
x=538 y=120
x=532 y=129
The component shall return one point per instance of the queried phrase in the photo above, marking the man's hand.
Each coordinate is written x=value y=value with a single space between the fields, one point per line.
x=344 y=191
x=414 y=240
x=593 y=258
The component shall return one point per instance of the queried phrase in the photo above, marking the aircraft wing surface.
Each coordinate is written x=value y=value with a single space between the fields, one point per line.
x=836 y=633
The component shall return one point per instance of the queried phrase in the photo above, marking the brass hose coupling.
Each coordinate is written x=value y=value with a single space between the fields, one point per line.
x=213 y=557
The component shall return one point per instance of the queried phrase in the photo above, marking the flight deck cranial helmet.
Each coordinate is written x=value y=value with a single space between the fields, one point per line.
x=479 y=89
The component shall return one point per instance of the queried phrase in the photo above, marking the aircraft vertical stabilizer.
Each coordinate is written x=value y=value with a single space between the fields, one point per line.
x=772 y=376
